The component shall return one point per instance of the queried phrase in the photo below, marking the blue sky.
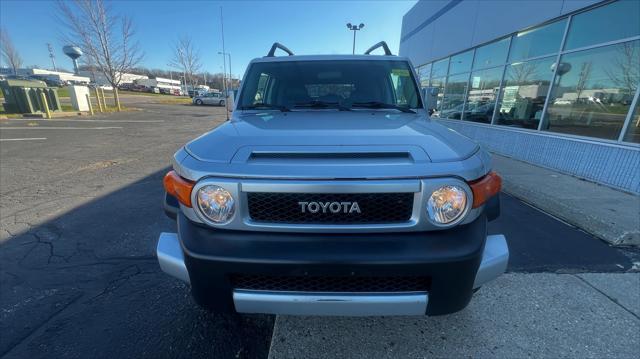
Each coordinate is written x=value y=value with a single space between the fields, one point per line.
x=250 y=27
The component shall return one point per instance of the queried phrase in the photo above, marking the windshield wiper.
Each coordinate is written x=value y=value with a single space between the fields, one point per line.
x=378 y=104
x=259 y=106
x=322 y=104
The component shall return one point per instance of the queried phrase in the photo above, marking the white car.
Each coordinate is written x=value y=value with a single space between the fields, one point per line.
x=210 y=98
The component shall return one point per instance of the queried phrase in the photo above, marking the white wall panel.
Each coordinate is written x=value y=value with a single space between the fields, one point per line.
x=452 y=29
x=472 y=22
x=497 y=18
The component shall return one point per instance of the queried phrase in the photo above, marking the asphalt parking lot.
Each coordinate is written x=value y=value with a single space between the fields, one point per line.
x=80 y=213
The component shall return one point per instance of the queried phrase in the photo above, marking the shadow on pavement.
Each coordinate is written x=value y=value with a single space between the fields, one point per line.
x=87 y=284
x=539 y=242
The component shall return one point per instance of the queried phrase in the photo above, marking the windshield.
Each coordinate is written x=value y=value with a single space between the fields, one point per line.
x=340 y=84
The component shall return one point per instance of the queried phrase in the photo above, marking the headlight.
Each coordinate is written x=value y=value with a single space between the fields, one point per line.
x=447 y=204
x=215 y=203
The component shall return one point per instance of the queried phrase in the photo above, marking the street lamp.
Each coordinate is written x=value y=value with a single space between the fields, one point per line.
x=354 y=28
x=230 y=73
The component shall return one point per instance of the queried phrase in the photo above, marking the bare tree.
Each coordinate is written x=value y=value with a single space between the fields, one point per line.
x=521 y=74
x=623 y=70
x=186 y=58
x=9 y=52
x=583 y=78
x=105 y=38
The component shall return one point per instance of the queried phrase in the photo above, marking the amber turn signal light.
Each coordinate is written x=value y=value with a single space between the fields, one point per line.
x=485 y=188
x=178 y=187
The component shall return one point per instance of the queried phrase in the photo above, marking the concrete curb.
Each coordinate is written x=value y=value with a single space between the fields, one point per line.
x=611 y=215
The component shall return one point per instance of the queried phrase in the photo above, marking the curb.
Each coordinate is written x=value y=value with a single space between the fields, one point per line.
x=598 y=227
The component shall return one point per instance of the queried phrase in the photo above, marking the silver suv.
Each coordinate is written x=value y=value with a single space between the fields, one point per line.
x=209 y=98
x=331 y=192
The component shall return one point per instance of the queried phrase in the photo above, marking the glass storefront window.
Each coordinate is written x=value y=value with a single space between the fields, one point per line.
x=633 y=131
x=492 y=54
x=453 y=99
x=537 y=42
x=524 y=91
x=481 y=99
x=593 y=91
x=614 y=21
x=439 y=68
x=461 y=62
x=437 y=86
x=424 y=73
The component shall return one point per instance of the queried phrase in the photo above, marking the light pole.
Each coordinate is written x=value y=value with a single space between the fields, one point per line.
x=230 y=73
x=52 y=56
x=354 y=28
x=226 y=92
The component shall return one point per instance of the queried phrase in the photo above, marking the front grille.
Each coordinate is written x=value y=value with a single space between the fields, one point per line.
x=331 y=284
x=374 y=208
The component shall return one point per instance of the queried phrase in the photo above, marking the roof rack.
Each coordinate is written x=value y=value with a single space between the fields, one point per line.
x=277 y=45
x=382 y=44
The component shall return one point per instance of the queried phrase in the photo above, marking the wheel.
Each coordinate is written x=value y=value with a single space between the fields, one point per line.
x=221 y=103
x=198 y=102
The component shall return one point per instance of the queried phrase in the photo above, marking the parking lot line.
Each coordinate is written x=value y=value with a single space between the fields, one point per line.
x=61 y=128
x=23 y=139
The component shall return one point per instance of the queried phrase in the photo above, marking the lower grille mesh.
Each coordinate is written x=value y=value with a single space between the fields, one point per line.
x=331 y=284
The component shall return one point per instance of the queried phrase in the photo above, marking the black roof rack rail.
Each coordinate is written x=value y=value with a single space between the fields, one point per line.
x=378 y=45
x=277 y=45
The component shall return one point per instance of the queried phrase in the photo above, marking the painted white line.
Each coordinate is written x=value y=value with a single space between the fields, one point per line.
x=60 y=128
x=23 y=139
x=69 y=120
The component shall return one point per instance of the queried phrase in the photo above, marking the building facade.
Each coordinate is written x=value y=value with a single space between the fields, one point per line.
x=160 y=83
x=554 y=83
x=100 y=79
x=42 y=73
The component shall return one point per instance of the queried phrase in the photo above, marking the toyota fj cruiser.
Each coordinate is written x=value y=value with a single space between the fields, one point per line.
x=331 y=192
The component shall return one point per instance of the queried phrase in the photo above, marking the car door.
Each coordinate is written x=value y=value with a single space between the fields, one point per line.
x=208 y=99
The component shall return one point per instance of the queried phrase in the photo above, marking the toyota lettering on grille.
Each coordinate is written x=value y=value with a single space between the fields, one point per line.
x=330 y=207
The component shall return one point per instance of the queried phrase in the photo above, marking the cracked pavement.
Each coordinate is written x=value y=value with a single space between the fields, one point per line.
x=80 y=214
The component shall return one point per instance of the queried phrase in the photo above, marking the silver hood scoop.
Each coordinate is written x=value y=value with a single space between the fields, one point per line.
x=378 y=129
x=328 y=144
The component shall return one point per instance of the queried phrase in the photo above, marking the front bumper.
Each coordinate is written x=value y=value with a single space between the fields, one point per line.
x=456 y=261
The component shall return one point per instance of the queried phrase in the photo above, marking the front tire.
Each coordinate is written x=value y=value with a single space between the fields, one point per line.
x=199 y=102
x=221 y=103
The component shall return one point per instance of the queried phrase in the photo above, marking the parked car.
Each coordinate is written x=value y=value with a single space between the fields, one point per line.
x=209 y=98
x=103 y=87
x=126 y=86
x=197 y=92
x=331 y=192
x=50 y=81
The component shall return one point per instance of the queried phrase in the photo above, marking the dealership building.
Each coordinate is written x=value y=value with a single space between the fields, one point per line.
x=554 y=83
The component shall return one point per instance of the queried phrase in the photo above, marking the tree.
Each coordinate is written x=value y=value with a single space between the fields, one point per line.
x=521 y=73
x=106 y=39
x=9 y=52
x=583 y=79
x=623 y=70
x=186 y=58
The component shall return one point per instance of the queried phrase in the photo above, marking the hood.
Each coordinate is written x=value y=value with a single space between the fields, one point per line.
x=321 y=131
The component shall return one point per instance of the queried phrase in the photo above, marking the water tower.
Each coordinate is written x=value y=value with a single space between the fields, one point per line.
x=73 y=52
